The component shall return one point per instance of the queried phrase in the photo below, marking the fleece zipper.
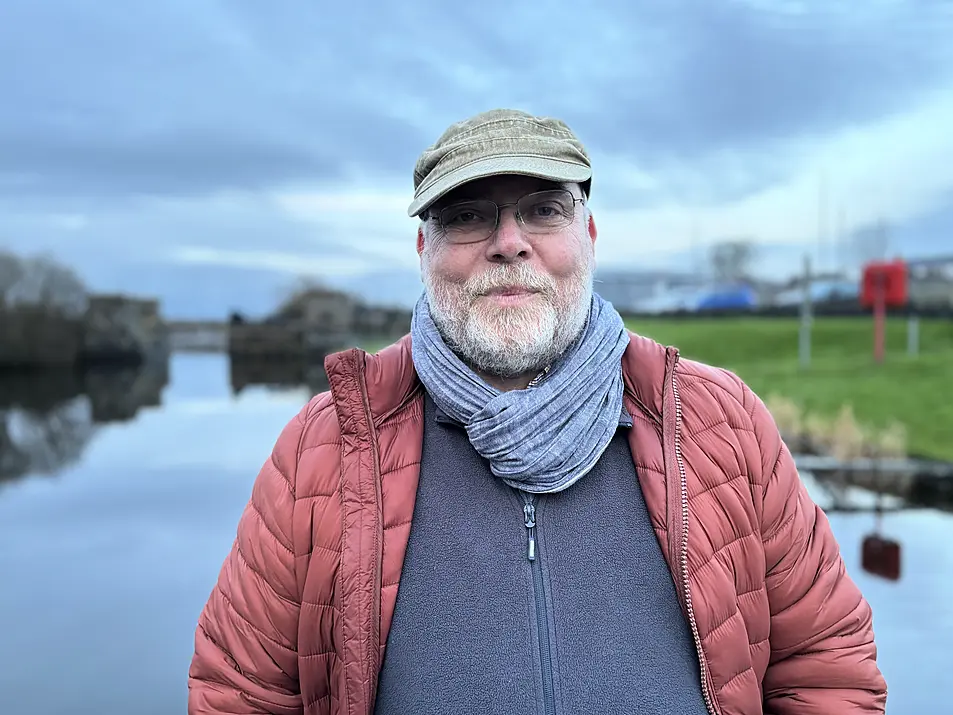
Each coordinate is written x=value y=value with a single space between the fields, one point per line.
x=542 y=612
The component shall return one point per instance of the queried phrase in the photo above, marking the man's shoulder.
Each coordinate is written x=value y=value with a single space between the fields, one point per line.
x=720 y=393
x=381 y=383
x=703 y=387
x=713 y=394
x=721 y=382
x=310 y=443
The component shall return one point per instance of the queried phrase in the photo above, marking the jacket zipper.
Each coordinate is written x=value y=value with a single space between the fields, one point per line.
x=373 y=654
x=707 y=686
x=542 y=617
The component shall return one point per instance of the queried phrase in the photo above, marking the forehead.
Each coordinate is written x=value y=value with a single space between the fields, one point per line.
x=499 y=188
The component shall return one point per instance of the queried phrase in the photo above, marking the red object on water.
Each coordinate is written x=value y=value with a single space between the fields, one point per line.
x=881 y=557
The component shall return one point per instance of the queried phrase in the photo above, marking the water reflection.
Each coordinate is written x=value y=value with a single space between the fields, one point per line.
x=47 y=417
x=246 y=372
x=880 y=555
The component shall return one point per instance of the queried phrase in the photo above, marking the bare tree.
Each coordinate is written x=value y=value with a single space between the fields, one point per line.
x=731 y=261
x=11 y=271
x=41 y=282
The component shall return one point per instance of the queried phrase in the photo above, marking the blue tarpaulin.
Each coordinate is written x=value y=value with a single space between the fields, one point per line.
x=734 y=298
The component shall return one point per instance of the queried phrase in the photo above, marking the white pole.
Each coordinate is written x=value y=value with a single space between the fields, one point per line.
x=804 y=337
x=913 y=335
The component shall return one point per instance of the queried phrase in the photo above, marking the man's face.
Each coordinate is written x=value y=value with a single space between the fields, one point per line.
x=511 y=303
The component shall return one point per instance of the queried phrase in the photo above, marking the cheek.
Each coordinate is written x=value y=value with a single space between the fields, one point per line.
x=453 y=264
x=565 y=259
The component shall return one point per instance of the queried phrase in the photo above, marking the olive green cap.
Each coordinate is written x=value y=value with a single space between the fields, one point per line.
x=497 y=142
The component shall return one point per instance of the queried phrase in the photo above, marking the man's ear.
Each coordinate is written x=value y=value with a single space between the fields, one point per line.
x=420 y=238
x=591 y=226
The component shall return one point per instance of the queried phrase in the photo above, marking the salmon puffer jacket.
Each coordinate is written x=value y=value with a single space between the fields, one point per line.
x=297 y=622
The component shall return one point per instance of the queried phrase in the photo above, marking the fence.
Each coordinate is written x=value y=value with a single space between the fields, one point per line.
x=845 y=309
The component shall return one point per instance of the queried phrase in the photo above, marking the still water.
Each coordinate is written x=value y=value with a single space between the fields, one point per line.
x=119 y=496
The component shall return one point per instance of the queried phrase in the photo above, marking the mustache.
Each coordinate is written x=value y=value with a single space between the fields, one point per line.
x=511 y=276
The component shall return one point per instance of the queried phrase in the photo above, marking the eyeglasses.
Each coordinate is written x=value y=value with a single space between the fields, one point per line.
x=474 y=221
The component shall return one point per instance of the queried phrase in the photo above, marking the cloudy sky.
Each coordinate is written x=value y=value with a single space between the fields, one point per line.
x=212 y=151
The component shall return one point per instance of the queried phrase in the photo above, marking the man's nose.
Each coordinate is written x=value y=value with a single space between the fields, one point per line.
x=508 y=242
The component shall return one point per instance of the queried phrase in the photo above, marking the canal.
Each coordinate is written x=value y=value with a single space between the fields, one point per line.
x=119 y=496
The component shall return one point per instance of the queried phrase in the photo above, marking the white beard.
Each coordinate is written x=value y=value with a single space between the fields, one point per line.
x=510 y=341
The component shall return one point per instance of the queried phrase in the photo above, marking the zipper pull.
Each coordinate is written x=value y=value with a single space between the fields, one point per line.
x=529 y=516
x=529 y=520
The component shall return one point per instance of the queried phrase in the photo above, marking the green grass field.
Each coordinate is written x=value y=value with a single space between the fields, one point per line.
x=915 y=391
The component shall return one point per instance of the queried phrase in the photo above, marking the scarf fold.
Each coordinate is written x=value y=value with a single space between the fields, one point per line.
x=544 y=438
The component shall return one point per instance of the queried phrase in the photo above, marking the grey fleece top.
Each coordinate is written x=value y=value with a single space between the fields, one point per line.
x=590 y=624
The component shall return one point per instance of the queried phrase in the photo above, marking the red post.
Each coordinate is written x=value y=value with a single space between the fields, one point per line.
x=880 y=319
x=884 y=284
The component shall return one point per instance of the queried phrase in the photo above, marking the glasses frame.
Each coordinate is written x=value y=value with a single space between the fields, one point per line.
x=431 y=215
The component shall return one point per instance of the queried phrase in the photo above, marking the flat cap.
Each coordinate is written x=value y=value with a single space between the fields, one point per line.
x=497 y=142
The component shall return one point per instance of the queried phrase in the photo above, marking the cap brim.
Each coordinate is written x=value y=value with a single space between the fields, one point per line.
x=537 y=166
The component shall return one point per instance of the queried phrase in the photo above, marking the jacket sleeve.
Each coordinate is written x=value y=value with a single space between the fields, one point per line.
x=245 y=659
x=823 y=655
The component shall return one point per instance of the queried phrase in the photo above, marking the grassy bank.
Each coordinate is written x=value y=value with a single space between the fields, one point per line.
x=914 y=391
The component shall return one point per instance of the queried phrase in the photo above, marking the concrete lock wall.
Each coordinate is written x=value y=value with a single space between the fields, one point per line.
x=118 y=327
x=265 y=339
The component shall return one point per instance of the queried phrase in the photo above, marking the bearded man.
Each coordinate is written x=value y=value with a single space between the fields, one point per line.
x=522 y=507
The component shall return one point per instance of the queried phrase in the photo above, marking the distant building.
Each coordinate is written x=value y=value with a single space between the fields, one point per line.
x=821 y=291
x=123 y=327
x=649 y=291
x=931 y=283
x=333 y=310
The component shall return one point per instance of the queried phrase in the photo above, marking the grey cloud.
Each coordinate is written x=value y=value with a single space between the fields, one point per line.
x=181 y=99
x=691 y=90
x=732 y=76
x=693 y=183
x=116 y=105
x=665 y=81
x=155 y=228
x=93 y=164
